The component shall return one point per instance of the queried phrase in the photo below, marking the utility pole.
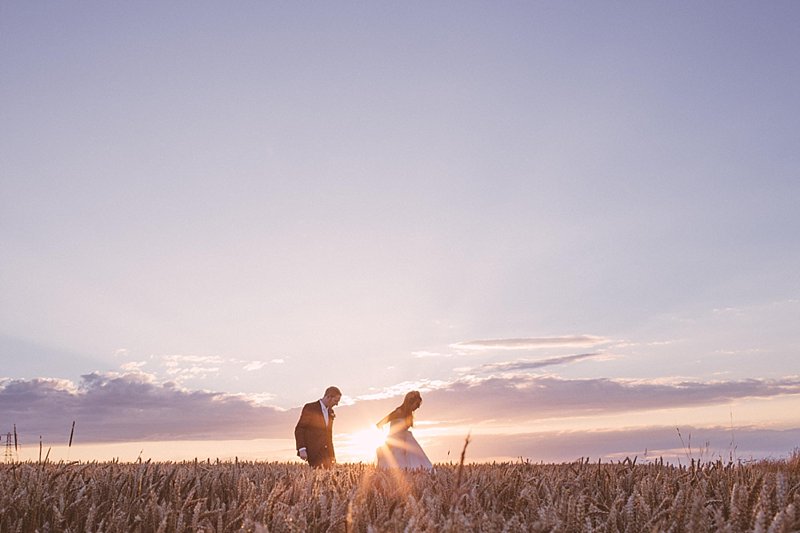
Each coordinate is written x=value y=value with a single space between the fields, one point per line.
x=8 y=455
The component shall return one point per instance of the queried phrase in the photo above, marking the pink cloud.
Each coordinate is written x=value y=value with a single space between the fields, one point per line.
x=531 y=343
x=135 y=406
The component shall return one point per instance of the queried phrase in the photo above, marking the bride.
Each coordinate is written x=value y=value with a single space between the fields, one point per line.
x=401 y=449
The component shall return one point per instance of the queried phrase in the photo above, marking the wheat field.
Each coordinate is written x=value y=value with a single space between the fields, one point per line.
x=259 y=497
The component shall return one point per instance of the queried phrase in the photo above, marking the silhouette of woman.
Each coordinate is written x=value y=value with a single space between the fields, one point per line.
x=401 y=449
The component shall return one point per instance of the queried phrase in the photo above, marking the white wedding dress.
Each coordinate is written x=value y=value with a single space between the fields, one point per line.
x=401 y=449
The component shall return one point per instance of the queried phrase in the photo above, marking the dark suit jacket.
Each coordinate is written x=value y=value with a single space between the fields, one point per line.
x=312 y=434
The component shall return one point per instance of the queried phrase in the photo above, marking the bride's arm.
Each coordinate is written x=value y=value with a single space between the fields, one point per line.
x=382 y=422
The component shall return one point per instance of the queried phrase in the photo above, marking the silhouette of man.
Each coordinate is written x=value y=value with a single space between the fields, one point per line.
x=313 y=433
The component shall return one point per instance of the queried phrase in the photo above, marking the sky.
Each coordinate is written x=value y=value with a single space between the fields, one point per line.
x=571 y=225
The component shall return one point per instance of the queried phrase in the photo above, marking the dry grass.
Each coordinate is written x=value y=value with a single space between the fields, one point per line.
x=246 y=496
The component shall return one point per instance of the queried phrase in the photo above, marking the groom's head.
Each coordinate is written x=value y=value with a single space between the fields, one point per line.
x=332 y=397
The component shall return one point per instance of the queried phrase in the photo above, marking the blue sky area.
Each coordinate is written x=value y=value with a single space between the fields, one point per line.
x=562 y=222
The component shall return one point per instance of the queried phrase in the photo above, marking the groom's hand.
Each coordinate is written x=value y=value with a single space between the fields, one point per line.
x=303 y=454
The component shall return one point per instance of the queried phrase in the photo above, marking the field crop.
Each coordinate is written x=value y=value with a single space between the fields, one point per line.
x=259 y=497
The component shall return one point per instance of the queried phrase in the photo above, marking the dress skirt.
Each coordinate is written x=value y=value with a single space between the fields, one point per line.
x=402 y=450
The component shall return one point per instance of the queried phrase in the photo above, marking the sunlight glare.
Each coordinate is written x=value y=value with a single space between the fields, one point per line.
x=360 y=446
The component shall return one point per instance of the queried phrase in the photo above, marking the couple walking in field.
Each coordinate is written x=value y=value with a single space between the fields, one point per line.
x=314 y=434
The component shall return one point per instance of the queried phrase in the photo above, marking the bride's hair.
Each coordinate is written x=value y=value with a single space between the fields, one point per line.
x=406 y=410
x=410 y=402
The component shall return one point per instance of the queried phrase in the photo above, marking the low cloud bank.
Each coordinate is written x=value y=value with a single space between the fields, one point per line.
x=131 y=407
x=134 y=406
x=531 y=398
x=646 y=444
x=525 y=399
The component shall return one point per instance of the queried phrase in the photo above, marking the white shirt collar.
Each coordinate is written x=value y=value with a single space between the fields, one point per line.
x=324 y=411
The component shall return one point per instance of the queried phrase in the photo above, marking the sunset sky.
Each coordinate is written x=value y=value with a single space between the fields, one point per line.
x=573 y=226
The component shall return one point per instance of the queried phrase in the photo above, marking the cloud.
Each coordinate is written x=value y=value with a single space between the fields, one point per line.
x=531 y=364
x=631 y=344
x=197 y=359
x=550 y=396
x=181 y=367
x=400 y=389
x=133 y=365
x=258 y=365
x=492 y=406
x=646 y=444
x=52 y=385
x=526 y=399
x=423 y=354
x=531 y=343
x=197 y=372
x=135 y=406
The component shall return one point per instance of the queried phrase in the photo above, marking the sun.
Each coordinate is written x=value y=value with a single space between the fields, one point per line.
x=360 y=446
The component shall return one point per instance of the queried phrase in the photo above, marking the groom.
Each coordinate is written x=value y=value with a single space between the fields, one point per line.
x=314 y=431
